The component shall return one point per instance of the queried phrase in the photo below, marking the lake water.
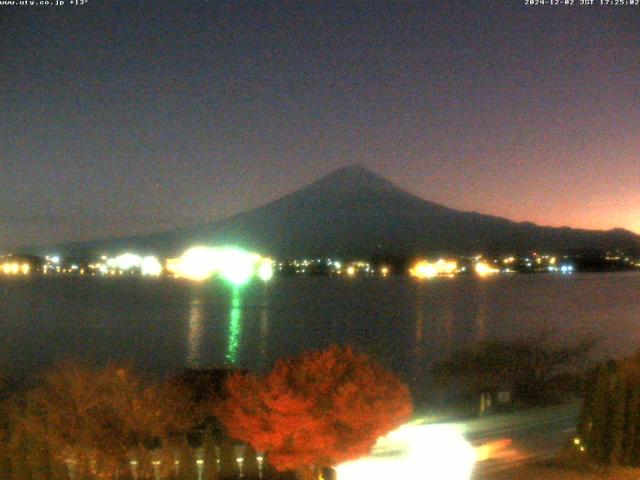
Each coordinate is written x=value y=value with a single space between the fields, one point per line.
x=166 y=325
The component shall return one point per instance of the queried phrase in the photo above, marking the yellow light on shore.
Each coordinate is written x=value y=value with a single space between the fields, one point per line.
x=483 y=269
x=15 y=268
x=426 y=269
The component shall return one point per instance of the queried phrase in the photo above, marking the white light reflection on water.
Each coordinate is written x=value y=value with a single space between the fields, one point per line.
x=264 y=329
x=194 y=336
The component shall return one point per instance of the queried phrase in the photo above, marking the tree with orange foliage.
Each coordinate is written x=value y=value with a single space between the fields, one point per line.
x=315 y=410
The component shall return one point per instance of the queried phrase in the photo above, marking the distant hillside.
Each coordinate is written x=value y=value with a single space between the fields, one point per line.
x=354 y=212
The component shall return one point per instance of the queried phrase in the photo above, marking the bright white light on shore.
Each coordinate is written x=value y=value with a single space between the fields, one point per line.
x=197 y=263
x=415 y=452
x=232 y=264
x=125 y=261
x=265 y=270
x=150 y=266
x=237 y=266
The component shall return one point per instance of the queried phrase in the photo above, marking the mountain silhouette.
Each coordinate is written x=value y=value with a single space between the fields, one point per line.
x=354 y=212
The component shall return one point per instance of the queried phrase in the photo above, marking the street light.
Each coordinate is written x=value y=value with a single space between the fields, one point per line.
x=200 y=467
x=260 y=459
x=71 y=467
x=156 y=469
x=218 y=465
x=134 y=469
x=239 y=451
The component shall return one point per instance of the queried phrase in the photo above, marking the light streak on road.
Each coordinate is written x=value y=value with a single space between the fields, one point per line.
x=466 y=450
x=415 y=451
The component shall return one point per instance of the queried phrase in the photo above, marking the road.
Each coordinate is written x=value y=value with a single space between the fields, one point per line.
x=473 y=449
x=507 y=441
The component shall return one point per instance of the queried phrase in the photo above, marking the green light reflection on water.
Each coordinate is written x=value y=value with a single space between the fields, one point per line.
x=235 y=326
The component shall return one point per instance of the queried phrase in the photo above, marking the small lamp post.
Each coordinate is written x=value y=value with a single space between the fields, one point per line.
x=200 y=467
x=260 y=459
x=134 y=469
x=218 y=464
x=176 y=468
x=239 y=461
x=239 y=451
x=71 y=468
x=156 y=469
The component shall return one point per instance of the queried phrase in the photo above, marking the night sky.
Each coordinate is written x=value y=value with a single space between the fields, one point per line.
x=123 y=117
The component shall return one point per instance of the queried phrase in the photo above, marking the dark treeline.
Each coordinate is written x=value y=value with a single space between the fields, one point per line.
x=84 y=423
x=532 y=371
x=609 y=427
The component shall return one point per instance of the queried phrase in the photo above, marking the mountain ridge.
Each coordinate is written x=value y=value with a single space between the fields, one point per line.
x=355 y=212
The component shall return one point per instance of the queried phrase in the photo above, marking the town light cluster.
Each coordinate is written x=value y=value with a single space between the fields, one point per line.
x=125 y=263
x=148 y=265
x=448 y=268
x=15 y=268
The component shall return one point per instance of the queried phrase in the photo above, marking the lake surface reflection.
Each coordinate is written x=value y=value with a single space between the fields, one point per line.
x=166 y=325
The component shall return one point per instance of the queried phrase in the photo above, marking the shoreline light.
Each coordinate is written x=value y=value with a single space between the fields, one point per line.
x=265 y=269
x=150 y=266
x=234 y=265
x=483 y=269
x=426 y=269
x=15 y=268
